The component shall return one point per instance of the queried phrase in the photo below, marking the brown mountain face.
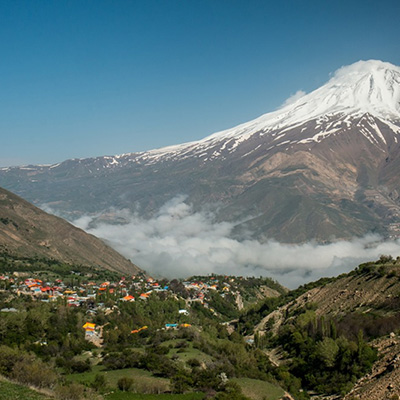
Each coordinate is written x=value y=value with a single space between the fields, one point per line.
x=343 y=186
x=25 y=230
x=323 y=168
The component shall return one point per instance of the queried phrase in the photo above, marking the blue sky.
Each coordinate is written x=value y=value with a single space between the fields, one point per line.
x=88 y=78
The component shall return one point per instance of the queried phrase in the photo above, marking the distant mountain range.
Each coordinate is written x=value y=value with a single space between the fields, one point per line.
x=27 y=231
x=325 y=167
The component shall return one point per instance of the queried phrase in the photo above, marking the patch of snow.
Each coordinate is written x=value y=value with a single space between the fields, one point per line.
x=394 y=128
x=365 y=87
x=377 y=130
x=319 y=136
x=279 y=137
x=251 y=151
x=282 y=143
x=369 y=135
x=54 y=166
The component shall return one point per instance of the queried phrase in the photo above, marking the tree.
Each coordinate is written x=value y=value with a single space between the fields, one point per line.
x=327 y=350
x=125 y=383
x=99 y=382
x=35 y=373
x=181 y=381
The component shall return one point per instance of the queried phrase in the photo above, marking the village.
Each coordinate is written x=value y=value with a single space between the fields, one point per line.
x=134 y=288
x=98 y=330
x=95 y=296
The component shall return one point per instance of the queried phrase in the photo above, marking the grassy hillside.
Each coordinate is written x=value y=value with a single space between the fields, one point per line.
x=14 y=391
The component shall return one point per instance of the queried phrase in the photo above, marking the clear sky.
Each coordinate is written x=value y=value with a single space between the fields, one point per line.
x=89 y=78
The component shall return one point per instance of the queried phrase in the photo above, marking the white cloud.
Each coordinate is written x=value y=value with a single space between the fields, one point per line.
x=178 y=242
x=293 y=98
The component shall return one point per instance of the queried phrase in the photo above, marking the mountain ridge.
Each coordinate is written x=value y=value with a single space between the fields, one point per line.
x=29 y=231
x=351 y=88
x=315 y=172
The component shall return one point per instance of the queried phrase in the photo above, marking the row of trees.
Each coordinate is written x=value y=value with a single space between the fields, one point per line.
x=321 y=355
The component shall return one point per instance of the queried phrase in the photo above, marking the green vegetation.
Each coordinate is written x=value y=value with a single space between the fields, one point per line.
x=43 y=342
x=142 y=381
x=182 y=340
x=9 y=390
x=321 y=356
x=137 y=396
x=47 y=268
x=259 y=390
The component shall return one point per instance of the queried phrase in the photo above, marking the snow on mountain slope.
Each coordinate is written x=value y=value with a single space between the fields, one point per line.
x=360 y=95
x=324 y=166
x=364 y=88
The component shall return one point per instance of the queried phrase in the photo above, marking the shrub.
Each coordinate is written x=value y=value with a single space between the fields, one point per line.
x=125 y=383
x=193 y=362
x=181 y=381
x=383 y=259
x=151 y=387
x=8 y=358
x=181 y=344
x=99 y=382
x=35 y=373
x=74 y=391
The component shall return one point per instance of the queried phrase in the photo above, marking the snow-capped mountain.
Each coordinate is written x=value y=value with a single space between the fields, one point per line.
x=366 y=88
x=325 y=166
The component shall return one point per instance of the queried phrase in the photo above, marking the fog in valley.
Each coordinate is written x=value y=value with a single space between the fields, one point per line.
x=178 y=242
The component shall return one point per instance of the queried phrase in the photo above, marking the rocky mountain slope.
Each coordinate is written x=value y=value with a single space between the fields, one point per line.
x=324 y=167
x=28 y=231
x=365 y=300
x=383 y=383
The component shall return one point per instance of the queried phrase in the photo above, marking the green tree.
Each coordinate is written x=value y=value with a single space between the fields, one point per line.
x=181 y=381
x=125 y=383
x=327 y=351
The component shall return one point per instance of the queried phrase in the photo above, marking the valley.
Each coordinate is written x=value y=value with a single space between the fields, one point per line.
x=78 y=320
x=101 y=334
x=75 y=331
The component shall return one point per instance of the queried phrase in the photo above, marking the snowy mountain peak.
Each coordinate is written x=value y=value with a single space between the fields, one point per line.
x=364 y=87
x=355 y=94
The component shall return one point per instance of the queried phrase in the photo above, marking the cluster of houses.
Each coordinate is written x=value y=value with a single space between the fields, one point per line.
x=199 y=289
x=129 y=289
x=94 y=295
x=123 y=290
x=75 y=295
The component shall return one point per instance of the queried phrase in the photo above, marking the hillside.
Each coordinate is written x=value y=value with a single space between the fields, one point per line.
x=25 y=230
x=217 y=336
x=87 y=334
x=360 y=307
x=383 y=382
x=356 y=293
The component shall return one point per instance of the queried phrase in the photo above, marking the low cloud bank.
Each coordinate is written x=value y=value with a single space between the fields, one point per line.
x=177 y=242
